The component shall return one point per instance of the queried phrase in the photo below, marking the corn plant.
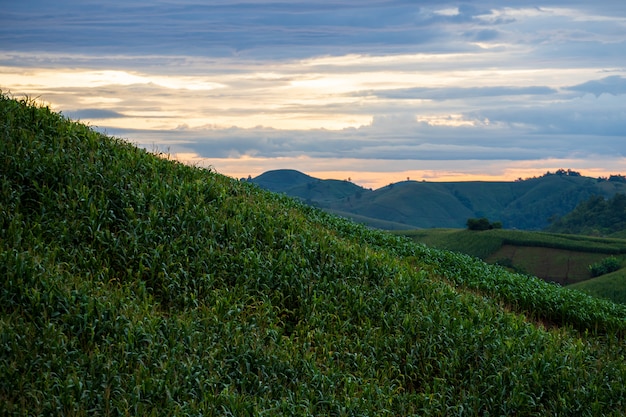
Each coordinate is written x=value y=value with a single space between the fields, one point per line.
x=136 y=285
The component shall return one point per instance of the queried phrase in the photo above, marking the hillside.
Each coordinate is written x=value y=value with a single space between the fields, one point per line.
x=610 y=286
x=308 y=189
x=135 y=285
x=281 y=181
x=526 y=205
x=595 y=216
x=561 y=258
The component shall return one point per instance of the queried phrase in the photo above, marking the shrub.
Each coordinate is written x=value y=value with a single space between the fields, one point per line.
x=605 y=266
x=482 y=224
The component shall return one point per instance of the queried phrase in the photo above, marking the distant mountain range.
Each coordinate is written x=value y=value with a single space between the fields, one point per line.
x=528 y=204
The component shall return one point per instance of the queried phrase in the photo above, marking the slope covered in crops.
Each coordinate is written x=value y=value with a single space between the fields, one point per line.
x=134 y=285
x=562 y=258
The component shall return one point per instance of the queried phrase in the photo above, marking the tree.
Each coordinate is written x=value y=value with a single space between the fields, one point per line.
x=478 y=224
x=617 y=178
x=482 y=224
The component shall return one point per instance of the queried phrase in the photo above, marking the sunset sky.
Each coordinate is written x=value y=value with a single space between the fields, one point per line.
x=371 y=90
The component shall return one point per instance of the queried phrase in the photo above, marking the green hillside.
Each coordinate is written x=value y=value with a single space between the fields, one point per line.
x=595 y=216
x=560 y=258
x=411 y=203
x=135 y=285
x=308 y=189
x=370 y=222
x=610 y=286
x=526 y=205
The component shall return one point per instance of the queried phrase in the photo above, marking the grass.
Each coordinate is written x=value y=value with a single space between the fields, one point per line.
x=135 y=285
x=369 y=221
x=610 y=286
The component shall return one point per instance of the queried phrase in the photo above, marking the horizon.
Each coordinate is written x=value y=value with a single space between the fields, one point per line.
x=478 y=178
x=376 y=91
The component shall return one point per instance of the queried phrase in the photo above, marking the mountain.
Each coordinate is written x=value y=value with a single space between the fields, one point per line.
x=527 y=205
x=136 y=285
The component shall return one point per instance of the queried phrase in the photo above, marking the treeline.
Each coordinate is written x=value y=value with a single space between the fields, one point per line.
x=559 y=172
x=595 y=216
x=571 y=173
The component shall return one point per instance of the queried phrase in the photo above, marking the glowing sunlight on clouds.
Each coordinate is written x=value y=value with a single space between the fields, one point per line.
x=376 y=91
x=77 y=78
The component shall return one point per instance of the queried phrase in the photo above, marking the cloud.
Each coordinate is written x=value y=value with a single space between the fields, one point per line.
x=401 y=137
x=93 y=114
x=614 y=85
x=460 y=92
x=377 y=81
x=484 y=35
x=220 y=29
x=276 y=29
x=589 y=122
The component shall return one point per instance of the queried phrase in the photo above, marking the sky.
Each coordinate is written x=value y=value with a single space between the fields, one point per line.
x=374 y=91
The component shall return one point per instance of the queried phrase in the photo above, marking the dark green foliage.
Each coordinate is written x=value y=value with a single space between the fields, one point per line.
x=563 y=172
x=595 y=216
x=606 y=266
x=482 y=224
x=135 y=285
x=478 y=224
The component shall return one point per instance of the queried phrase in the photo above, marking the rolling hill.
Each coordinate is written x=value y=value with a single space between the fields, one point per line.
x=526 y=205
x=560 y=258
x=307 y=188
x=136 y=285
